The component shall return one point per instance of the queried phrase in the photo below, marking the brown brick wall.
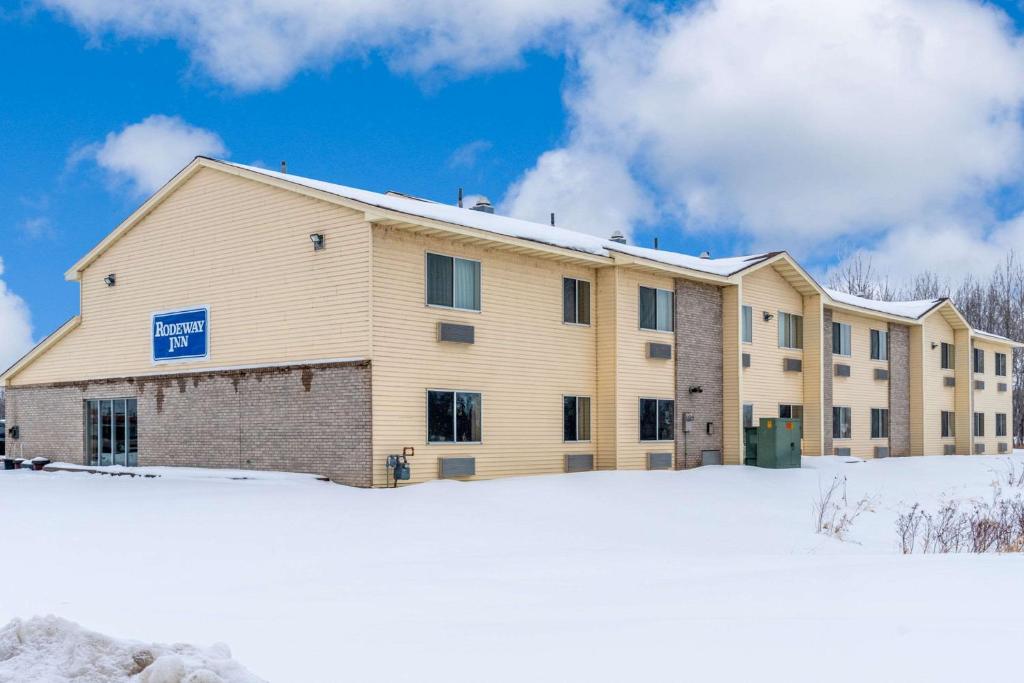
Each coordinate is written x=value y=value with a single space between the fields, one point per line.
x=829 y=373
x=698 y=363
x=899 y=389
x=312 y=418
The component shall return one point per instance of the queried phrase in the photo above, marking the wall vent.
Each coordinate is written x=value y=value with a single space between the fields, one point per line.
x=842 y=370
x=711 y=457
x=949 y=449
x=792 y=365
x=451 y=468
x=746 y=360
x=881 y=374
x=659 y=461
x=1002 y=386
x=881 y=451
x=979 y=448
x=579 y=462
x=979 y=384
x=949 y=381
x=1004 y=447
x=842 y=452
x=459 y=334
x=659 y=351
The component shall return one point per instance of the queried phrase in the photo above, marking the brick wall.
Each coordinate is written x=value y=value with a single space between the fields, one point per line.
x=311 y=418
x=698 y=363
x=829 y=373
x=899 y=389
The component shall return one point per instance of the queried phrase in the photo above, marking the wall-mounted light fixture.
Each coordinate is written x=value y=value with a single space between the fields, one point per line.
x=317 y=238
x=934 y=346
x=110 y=280
x=696 y=389
x=768 y=316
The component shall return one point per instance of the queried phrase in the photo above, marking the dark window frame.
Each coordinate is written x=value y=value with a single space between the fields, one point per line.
x=837 y=422
x=747 y=324
x=978 y=361
x=787 y=330
x=880 y=345
x=879 y=423
x=842 y=332
x=453 y=293
x=1000 y=364
x=1000 y=424
x=657 y=323
x=577 y=412
x=947 y=358
x=456 y=393
x=785 y=408
x=948 y=424
x=660 y=426
x=979 y=424
x=577 y=306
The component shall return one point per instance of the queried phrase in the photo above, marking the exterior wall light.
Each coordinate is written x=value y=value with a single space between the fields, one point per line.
x=110 y=280
x=768 y=316
x=317 y=238
x=934 y=346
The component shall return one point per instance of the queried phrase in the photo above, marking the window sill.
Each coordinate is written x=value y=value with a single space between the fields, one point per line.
x=455 y=443
x=568 y=324
x=644 y=329
x=454 y=308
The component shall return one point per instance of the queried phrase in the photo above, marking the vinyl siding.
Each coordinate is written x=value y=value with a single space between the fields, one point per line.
x=638 y=375
x=813 y=423
x=860 y=391
x=764 y=383
x=523 y=361
x=240 y=247
x=990 y=400
x=607 y=295
x=934 y=396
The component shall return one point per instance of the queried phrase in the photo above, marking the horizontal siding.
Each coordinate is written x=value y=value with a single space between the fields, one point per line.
x=240 y=247
x=990 y=400
x=860 y=391
x=936 y=397
x=523 y=360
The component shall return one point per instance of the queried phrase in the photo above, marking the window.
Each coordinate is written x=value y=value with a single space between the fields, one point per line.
x=748 y=325
x=1000 y=424
x=576 y=418
x=979 y=424
x=879 y=345
x=979 y=360
x=453 y=282
x=841 y=428
x=655 y=309
x=948 y=356
x=453 y=417
x=748 y=415
x=575 y=301
x=791 y=331
x=842 y=339
x=948 y=424
x=879 y=423
x=656 y=417
x=1001 y=364
x=112 y=432
x=791 y=412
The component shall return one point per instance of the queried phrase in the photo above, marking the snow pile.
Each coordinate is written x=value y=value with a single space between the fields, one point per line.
x=53 y=650
x=904 y=309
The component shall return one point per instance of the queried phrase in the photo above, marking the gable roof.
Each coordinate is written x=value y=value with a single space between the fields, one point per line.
x=912 y=310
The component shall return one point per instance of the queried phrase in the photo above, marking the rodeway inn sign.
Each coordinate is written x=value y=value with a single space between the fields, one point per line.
x=181 y=335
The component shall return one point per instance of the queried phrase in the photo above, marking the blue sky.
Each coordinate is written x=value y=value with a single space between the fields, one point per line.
x=701 y=126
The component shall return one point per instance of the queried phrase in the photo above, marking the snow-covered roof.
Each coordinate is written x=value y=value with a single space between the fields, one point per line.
x=513 y=227
x=994 y=337
x=903 y=309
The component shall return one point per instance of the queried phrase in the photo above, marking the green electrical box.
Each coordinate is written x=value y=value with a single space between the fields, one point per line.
x=775 y=443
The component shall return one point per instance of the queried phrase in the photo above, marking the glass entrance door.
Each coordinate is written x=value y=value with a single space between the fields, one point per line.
x=112 y=432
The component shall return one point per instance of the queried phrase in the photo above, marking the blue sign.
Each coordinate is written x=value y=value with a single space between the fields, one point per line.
x=181 y=335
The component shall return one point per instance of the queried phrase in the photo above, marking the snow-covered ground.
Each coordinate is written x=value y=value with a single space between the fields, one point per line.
x=713 y=573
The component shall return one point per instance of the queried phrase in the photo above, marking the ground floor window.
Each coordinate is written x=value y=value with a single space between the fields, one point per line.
x=656 y=419
x=879 y=423
x=748 y=414
x=1000 y=424
x=948 y=424
x=576 y=418
x=112 y=432
x=791 y=412
x=979 y=424
x=841 y=423
x=454 y=417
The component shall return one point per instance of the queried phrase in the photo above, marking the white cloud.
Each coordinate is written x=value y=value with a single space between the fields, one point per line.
x=37 y=227
x=148 y=154
x=15 y=325
x=468 y=154
x=797 y=122
x=587 y=191
x=253 y=44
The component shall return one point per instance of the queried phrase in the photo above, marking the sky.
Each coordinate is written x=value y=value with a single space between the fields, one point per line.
x=886 y=128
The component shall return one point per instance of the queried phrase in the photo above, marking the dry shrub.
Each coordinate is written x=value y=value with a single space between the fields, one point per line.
x=833 y=514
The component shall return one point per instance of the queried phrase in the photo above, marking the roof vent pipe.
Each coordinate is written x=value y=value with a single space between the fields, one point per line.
x=705 y=254
x=655 y=243
x=483 y=204
x=552 y=219
x=617 y=236
x=284 y=167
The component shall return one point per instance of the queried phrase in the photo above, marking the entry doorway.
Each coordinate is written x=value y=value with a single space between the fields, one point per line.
x=112 y=432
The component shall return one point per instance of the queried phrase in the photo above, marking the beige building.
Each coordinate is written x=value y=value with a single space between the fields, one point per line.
x=250 y=319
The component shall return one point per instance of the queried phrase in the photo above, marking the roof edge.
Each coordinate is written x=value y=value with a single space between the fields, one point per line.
x=39 y=349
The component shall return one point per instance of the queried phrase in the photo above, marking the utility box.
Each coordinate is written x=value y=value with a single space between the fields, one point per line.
x=774 y=443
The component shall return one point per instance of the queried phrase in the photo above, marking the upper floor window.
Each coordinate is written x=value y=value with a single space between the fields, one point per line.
x=879 y=345
x=575 y=301
x=948 y=424
x=576 y=418
x=748 y=325
x=656 y=419
x=979 y=360
x=791 y=331
x=454 y=416
x=948 y=356
x=453 y=282
x=1001 y=364
x=791 y=412
x=655 y=309
x=842 y=339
